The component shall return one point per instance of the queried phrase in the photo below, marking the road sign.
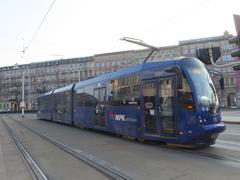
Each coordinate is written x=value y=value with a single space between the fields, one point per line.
x=22 y=104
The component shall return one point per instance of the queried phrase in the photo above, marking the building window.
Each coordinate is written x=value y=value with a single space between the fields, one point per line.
x=227 y=57
x=232 y=80
x=227 y=69
x=227 y=46
x=185 y=50
x=193 y=50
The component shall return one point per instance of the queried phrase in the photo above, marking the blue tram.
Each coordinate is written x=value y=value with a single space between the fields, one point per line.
x=171 y=101
x=45 y=106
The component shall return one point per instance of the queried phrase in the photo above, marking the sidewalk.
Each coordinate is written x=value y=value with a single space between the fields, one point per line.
x=231 y=116
x=235 y=120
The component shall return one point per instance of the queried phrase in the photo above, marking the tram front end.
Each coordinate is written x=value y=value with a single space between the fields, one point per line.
x=199 y=113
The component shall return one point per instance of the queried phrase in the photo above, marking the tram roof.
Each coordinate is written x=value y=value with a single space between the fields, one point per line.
x=107 y=76
x=63 y=89
x=45 y=94
x=128 y=70
x=119 y=73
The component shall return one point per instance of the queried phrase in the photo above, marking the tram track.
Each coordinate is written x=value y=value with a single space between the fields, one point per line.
x=199 y=152
x=227 y=145
x=203 y=152
x=213 y=156
x=35 y=171
x=98 y=165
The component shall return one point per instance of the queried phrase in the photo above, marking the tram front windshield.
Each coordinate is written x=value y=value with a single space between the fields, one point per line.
x=203 y=85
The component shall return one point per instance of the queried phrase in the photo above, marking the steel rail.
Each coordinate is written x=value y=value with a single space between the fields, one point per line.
x=213 y=156
x=202 y=153
x=98 y=165
x=196 y=151
x=227 y=147
x=34 y=169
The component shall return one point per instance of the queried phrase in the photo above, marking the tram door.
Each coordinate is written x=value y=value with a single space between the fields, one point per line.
x=99 y=112
x=158 y=100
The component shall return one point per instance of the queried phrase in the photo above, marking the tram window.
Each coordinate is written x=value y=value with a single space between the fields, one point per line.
x=66 y=99
x=102 y=95
x=166 y=97
x=136 y=90
x=149 y=92
x=126 y=90
x=80 y=99
x=63 y=102
x=185 y=95
x=43 y=103
x=85 y=99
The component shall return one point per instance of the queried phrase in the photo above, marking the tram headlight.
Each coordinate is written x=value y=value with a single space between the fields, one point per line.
x=203 y=120
x=205 y=108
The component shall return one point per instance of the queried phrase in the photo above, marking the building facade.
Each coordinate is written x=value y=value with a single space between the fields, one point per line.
x=39 y=78
x=109 y=62
x=44 y=76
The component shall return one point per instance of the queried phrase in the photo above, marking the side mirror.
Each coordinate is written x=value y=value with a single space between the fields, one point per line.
x=204 y=101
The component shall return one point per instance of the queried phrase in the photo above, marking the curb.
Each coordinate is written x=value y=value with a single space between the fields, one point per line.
x=231 y=122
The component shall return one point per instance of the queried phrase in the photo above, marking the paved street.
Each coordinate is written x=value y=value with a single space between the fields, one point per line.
x=137 y=160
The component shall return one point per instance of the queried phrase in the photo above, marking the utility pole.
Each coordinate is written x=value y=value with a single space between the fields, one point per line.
x=22 y=104
x=29 y=90
x=79 y=77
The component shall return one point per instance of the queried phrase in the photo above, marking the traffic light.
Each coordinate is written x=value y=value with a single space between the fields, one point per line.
x=221 y=81
x=204 y=56
x=236 y=52
x=235 y=40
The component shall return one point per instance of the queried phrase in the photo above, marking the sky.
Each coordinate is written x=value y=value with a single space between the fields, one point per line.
x=79 y=28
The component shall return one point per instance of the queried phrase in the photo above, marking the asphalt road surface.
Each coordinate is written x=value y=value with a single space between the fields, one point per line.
x=139 y=161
